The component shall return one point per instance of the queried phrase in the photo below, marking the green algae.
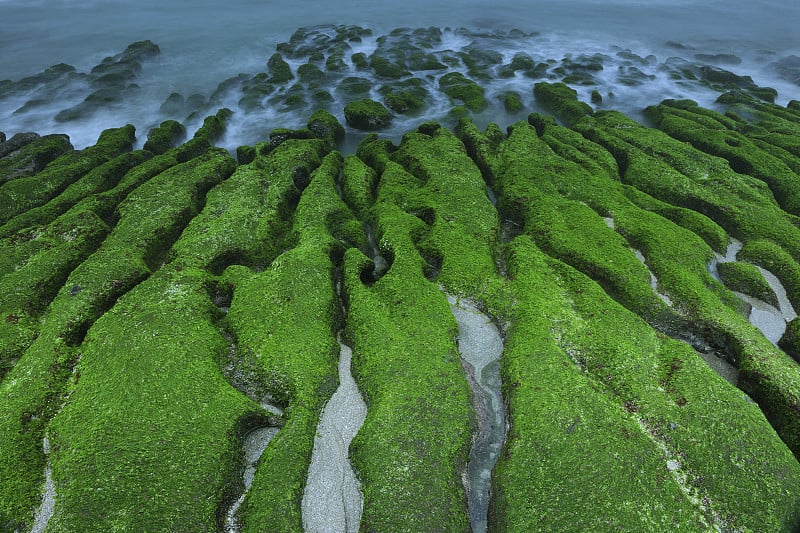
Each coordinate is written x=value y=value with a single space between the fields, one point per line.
x=164 y=137
x=103 y=177
x=772 y=257
x=511 y=102
x=270 y=315
x=654 y=398
x=676 y=257
x=33 y=157
x=713 y=133
x=583 y=375
x=561 y=100
x=358 y=186
x=367 y=115
x=21 y=194
x=406 y=97
x=462 y=89
x=406 y=365
x=34 y=387
x=746 y=278
x=279 y=69
x=790 y=342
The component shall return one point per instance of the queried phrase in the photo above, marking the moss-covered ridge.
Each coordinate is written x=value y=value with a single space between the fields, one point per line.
x=160 y=296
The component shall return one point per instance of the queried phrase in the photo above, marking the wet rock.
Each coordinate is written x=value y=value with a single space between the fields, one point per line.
x=385 y=68
x=632 y=76
x=279 y=69
x=407 y=96
x=310 y=73
x=790 y=342
x=789 y=68
x=562 y=101
x=719 y=59
x=459 y=87
x=354 y=86
x=174 y=105
x=16 y=142
x=367 y=115
x=164 y=137
x=511 y=101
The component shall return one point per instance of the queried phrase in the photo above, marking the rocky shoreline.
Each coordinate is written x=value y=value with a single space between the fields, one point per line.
x=132 y=280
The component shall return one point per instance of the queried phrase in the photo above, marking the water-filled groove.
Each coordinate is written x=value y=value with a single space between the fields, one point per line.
x=332 y=499
x=480 y=347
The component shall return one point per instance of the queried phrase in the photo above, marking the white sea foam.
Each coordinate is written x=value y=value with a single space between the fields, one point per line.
x=204 y=43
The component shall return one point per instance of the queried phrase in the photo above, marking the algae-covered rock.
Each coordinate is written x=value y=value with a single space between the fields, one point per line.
x=354 y=86
x=26 y=154
x=790 y=342
x=279 y=69
x=511 y=102
x=367 y=115
x=746 y=278
x=460 y=88
x=562 y=101
x=405 y=97
x=165 y=136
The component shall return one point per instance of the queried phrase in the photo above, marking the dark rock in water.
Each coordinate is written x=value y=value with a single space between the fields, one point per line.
x=354 y=86
x=632 y=76
x=367 y=115
x=596 y=97
x=726 y=78
x=322 y=97
x=636 y=58
x=227 y=86
x=788 y=68
x=310 y=73
x=2 y=137
x=387 y=69
x=480 y=61
x=294 y=99
x=404 y=97
x=174 y=105
x=720 y=59
x=48 y=76
x=677 y=46
x=360 y=61
x=520 y=62
x=254 y=91
x=419 y=60
x=580 y=70
x=279 y=69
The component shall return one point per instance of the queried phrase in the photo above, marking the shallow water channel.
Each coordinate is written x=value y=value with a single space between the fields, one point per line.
x=253 y=446
x=45 y=511
x=769 y=319
x=481 y=346
x=332 y=500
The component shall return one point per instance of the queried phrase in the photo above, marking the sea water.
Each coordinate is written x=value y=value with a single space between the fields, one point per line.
x=203 y=43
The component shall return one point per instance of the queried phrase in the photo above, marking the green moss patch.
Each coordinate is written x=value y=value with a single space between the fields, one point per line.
x=367 y=115
x=746 y=278
x=462 y=89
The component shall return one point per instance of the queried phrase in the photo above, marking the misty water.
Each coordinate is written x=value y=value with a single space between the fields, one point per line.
x=204 y=43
